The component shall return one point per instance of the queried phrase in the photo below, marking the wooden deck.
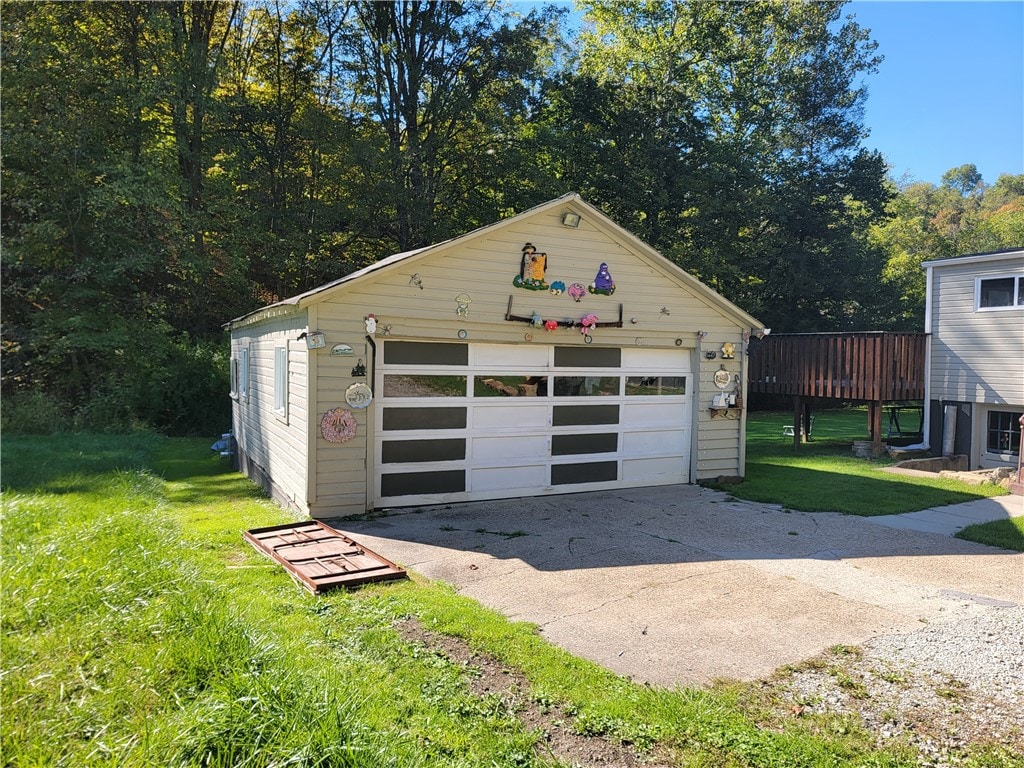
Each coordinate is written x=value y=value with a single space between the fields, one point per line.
x=873 y=367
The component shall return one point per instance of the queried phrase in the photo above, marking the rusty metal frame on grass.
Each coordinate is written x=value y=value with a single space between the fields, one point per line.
x=321 y=558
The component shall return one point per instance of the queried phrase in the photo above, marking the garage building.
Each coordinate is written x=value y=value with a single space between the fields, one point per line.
x=551 y=352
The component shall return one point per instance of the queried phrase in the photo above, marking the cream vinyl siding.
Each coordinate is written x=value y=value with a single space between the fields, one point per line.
x=483 y=268
x=413 y=297
x=976 y=356
x=275 y=444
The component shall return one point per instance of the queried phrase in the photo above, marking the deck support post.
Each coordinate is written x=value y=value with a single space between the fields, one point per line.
x=875 y=423
x=807 y=422
x=797 y=413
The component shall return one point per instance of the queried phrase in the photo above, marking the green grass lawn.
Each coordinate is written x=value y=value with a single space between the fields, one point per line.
x=140 y=630
x=824 y=476
x=1006 y=534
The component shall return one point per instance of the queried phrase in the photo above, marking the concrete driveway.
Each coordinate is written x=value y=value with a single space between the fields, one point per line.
x=679 y=585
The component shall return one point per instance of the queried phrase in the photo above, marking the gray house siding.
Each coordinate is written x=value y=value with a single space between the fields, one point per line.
x=976 y=353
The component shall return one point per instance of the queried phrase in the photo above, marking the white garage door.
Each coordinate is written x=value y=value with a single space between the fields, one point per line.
x=461 y=422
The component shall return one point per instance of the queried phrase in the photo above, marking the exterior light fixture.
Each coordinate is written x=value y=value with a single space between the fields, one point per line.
x=570 y=219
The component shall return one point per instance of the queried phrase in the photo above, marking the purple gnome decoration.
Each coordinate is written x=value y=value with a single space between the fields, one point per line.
x=603 y=283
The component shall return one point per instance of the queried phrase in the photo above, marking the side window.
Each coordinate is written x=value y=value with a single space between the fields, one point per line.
x=1003 y=434
x=240 y=373
x=999 y=292
x=281 y=381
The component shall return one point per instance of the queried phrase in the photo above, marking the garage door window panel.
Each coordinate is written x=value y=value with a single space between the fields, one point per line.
x=433 y=419
x=655 y=386
x=419 y=353
x=416 y=483
x=505 y=385
x=589 y=472
x=584 y=415
x=421 y=451
x=568 y=445
x=588 y=357
x=587 y=386
x=416 y=385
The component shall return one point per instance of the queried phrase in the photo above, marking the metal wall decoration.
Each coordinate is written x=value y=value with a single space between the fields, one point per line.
x=532 y=267
x=358 y=370
x=358 y=395
x=338 y=425
x=603 y=283
x=463 y=300
x=342 y=350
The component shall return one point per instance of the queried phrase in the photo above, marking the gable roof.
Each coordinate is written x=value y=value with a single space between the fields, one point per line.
x=571 y=201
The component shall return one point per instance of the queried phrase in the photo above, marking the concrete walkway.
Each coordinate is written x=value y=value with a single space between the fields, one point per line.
x=955 y=517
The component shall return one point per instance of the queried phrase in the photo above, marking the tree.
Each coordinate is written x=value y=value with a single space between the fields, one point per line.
x=925 y=223
x=750 y=137
x=429 y=74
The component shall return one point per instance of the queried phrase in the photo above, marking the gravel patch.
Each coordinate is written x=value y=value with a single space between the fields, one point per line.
x=944 y=689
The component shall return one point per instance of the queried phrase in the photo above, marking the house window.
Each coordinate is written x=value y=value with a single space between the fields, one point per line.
x=1000 y=292
x=281 y=381
x=1003 y=432
x=240 y=373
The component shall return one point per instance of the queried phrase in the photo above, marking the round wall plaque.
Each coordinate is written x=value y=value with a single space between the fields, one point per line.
x=358 y=395
x=723 y=378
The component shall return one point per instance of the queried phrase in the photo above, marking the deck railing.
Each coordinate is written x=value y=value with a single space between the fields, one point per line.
x=874 y=366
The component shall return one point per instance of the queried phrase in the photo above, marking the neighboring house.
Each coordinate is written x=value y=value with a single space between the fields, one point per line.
x=975 y=315
x=548 y=353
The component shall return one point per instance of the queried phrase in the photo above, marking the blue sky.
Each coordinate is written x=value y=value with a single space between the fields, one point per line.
x=951 y=88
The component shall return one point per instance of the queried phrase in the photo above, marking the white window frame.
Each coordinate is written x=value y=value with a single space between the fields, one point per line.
x=240 y=374
x=1015 y=300
x=996 y=454
x=281 y=382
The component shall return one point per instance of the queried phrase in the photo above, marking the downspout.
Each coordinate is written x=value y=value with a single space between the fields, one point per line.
x=371 y=422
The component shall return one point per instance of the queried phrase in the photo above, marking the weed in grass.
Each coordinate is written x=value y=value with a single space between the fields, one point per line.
x=893 y=675
x=953 y=689
x=848 y=683
x=850 y=651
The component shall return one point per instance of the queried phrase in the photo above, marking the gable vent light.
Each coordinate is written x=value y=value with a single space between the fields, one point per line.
x=570 y=219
